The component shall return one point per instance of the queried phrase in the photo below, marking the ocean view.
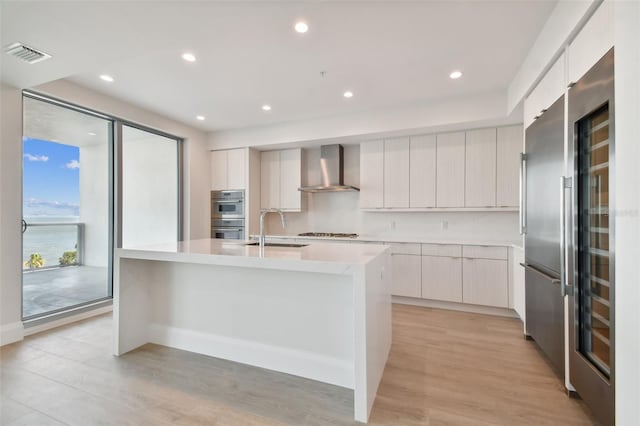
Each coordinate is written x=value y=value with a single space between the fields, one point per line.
x=49 y=241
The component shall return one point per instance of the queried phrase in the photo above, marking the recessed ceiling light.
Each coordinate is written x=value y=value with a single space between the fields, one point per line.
x=107 y=78
x=91 y=134
x=189 y=57
x=455 y=75
x=301 y=27
x=348 y=94
x=200 y=117
x=266 y=107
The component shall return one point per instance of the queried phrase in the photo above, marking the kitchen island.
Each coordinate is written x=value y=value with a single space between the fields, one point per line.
x=322 y=311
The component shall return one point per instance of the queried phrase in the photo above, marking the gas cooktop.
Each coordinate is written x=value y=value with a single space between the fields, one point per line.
x=328 y=235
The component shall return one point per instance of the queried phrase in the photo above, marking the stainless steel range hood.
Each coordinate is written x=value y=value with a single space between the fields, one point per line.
x=331 y=171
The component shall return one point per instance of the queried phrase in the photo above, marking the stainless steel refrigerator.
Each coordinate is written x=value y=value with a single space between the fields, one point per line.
x=569 y=236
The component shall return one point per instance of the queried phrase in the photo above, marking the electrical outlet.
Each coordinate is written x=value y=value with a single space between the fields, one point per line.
x=393 y=224
x=444 y=224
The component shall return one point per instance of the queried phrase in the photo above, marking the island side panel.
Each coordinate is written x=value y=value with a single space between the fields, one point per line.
x=372 y=286
x=131 y=303
x=294 y=322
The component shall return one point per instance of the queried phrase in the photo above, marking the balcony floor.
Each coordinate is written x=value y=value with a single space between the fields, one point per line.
x=52 y=289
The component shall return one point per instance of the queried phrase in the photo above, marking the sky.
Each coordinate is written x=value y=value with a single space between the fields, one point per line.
x=51 y=178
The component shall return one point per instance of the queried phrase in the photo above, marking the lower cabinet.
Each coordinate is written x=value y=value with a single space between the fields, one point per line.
x=485 y=282
x=442 y=278
x=406 y=275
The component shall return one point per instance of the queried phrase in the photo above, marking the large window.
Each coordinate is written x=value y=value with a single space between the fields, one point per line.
x=72 y=158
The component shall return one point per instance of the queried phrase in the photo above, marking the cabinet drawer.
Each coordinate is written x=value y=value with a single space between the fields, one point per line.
x=448 y=250
x=485 y=252
x=399 y=248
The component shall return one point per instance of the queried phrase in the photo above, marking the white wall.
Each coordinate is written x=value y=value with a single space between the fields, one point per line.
x=94 y=202
x=10 y=214
x=627 y=193
x=340 y=212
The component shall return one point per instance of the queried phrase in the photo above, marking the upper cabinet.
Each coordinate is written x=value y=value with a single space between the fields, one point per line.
x=422 y=171
x=228 y=169
x=548 y=90
x=396 y=173
x=371 y=174
x=280 y=178
x=480 y=168
x=508 y=149
x=455 y=171
x=450 y=170
x=592 y=42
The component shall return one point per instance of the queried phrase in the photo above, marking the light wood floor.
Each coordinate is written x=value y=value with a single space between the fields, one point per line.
x=445 y=368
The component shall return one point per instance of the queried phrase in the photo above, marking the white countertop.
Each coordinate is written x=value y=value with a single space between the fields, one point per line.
x=326 y=258
x=415 y=239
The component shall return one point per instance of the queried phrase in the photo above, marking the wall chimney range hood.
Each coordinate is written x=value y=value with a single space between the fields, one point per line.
x=331 y=171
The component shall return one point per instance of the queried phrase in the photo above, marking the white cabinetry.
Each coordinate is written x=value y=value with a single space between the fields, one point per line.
x=485 y=276
x=508 y=149
x=442 y=272
x=476 y=170
x=396 y=173
x=550 y=88
x=422 y=171
x=516 y=278
x=480 y=168
x=290 y=179
x=592 y=42
x=442 y=278
x=450 y=170
x=228 y=169
x=371 y=174
x=280 y=173
x=406 y=273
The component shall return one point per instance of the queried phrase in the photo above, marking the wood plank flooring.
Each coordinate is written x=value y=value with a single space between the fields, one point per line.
x=445 y=368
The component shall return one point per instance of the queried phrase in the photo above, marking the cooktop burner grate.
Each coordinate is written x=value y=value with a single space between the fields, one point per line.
x=328 y=235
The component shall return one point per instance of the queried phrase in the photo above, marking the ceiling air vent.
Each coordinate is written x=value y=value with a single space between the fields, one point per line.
x=26 y=53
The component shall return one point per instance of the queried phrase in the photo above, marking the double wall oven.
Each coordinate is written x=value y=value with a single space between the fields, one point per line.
x=227 y=214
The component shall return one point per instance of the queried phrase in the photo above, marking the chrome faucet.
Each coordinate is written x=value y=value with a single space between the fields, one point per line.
x=263 y=213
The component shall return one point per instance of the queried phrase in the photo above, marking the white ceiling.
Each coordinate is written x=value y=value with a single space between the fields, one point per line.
x=388 y=53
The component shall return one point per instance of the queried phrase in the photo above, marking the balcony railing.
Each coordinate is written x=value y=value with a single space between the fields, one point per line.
x=48 y=245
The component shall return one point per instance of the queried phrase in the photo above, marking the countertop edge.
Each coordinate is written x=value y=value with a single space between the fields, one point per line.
x=400 y=240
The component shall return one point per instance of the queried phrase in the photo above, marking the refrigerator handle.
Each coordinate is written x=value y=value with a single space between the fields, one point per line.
x=523 y=195
x=565 y=289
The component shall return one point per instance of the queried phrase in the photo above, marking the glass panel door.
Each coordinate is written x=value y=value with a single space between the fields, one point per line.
x=593 y=239
x=150 y=188
x=67 y=202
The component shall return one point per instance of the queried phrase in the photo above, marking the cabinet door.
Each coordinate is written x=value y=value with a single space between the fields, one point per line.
x=371 y=174
x=236 y=165
x=592 y=42
x=509 y=147
x=442 y=278
x=548 y=90
x=485 y=282
x=422 y=171
x=480 y=169
x=218 y=166
x=270 y=179
x=396 y=173
x=290 y=173
x=450 y=170
x=406 y=275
